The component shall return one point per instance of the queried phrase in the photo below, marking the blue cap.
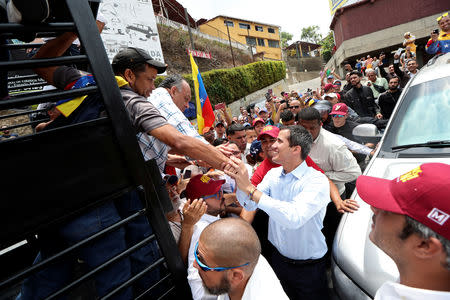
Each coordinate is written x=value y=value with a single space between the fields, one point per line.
x=255 y=148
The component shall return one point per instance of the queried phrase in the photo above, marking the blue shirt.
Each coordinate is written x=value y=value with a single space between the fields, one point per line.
x=296 y=203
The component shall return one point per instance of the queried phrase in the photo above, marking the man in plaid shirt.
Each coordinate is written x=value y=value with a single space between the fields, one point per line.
x=171 y=98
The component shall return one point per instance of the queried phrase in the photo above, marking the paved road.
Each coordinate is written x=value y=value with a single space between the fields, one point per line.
x=302 y=86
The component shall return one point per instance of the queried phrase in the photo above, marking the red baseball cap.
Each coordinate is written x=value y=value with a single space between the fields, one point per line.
x=258 y=120
x=270 y=130
x=329 y=86
x=202 y=185
x=422 y=194
x=339 y=109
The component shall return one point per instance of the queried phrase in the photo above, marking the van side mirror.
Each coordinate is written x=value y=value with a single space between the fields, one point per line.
x=367 y=133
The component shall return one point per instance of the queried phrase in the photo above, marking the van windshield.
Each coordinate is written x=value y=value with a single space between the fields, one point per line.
x=424 y=115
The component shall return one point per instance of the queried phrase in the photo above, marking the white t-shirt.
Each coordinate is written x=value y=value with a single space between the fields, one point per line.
x=263 y=284
x=393 y=291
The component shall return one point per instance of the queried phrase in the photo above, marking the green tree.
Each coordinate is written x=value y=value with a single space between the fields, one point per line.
x=311 y=34
x=327 y=45
x=285 y=38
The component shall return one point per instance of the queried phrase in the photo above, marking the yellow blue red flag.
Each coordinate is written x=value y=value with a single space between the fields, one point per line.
x=205 y=114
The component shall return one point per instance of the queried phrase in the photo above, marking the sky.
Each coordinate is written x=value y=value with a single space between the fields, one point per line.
x=291 y=15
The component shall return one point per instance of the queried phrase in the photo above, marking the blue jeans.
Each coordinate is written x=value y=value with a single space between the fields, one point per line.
x=54 y=277
x=137 y=230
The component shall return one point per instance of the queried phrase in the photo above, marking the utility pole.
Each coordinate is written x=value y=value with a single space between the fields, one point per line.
x=250 y=44
x=189 y=28
x=229 y=39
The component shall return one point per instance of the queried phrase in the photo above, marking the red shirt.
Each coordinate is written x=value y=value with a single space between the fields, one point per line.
x=266 y=165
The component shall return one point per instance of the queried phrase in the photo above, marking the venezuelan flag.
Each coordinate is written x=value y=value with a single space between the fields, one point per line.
x=205 y=114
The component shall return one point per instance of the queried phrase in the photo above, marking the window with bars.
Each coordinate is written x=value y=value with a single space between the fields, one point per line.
x=259 y=28
x=271 y=30
x=261 y=43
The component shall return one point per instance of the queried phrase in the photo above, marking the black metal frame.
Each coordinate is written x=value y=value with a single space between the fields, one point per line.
x=127 y=164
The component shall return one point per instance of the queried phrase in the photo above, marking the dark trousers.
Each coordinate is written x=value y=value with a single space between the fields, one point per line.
x=305 y=280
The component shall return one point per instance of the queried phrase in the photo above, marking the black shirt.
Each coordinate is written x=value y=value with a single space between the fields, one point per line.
x=387 y=101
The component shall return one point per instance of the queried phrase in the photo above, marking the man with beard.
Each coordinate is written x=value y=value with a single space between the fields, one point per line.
x=360 y=98
x=210 y=190
x=388 y=99
x=229 y=262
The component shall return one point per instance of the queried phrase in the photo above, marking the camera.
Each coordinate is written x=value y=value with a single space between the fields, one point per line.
x=436 y=31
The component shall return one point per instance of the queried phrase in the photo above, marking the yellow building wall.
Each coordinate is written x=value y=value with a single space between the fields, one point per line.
x=216 y=27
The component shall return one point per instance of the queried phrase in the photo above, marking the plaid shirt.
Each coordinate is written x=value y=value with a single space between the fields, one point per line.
x=151 y=147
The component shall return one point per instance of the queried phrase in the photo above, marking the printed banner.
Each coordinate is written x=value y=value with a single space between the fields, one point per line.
x=130 y=23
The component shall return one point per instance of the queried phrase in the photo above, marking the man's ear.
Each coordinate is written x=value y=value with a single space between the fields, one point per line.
x=427 y=248
x=297 y=150
x=236 y=276
x=129 y=75
x=173 y=90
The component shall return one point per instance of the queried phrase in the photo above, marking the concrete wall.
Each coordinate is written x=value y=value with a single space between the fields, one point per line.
x=216 y=27
x=376 y=41
x=374 y=16
x=305 y=63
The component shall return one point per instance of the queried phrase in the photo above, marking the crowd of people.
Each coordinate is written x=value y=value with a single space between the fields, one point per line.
x=256 y=197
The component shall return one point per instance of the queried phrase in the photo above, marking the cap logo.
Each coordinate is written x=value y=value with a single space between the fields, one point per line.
x=205 y=179
x=414 y=173
x=267 y=128
x=338 y=107
x=438 y=216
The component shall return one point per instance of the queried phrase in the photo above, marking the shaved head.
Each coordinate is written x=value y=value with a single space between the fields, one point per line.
x=232 y=242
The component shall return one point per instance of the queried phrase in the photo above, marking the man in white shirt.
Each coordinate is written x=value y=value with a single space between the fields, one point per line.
x=411 y=224
x=202 y=186
x=229 y=261
x=295 y=197
x=333 y=157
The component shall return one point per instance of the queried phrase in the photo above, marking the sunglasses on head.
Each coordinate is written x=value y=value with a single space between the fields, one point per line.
x=440 y=18
x=217 y=269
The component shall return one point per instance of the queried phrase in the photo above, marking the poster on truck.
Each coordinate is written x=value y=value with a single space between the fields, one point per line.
x=130 y=23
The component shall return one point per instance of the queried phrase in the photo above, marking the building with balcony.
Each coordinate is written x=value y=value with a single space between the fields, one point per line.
x=264 y=39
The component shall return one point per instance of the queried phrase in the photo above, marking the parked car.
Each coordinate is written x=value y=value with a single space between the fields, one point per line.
x=418 y=132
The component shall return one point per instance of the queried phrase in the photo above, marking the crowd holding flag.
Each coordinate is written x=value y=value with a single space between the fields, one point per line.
x=205 y=114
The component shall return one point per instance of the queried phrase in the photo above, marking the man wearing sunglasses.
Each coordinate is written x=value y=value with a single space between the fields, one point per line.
x=295 y=106
x=229 y=261
x=210 y=190
x=440 y=42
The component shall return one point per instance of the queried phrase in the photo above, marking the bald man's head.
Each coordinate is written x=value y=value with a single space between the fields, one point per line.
x=232 y=242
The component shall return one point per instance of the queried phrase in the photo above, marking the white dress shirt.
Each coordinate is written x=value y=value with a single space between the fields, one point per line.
x=194 y=279
x=263 y=284
x=151 y=147
x=296 y=204
x=333 y=157
x=396 y=291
